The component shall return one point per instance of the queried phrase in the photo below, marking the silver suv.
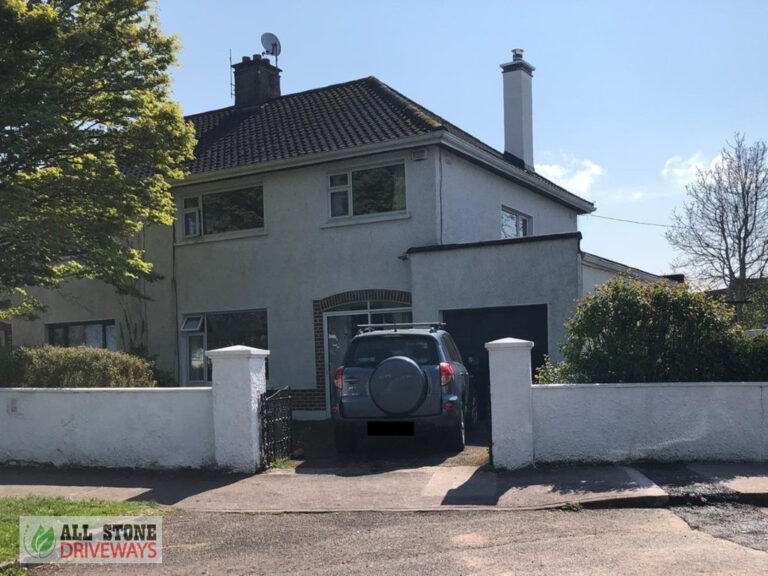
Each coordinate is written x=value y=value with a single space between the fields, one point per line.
x=397 y=380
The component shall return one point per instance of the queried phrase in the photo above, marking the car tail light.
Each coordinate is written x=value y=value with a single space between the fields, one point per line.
x=446 y=373
x=338 y=378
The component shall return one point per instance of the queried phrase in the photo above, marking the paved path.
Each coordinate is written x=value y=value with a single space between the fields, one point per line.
x=346 y=489
x=309 y=488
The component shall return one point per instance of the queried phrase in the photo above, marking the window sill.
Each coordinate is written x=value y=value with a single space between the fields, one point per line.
x=220 y=237
x=367 y=219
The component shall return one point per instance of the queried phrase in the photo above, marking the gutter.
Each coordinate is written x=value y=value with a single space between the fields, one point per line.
x=487 y=243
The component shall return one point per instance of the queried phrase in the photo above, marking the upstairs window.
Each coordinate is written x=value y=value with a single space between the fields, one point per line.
x=368 y=191
x=514 y=224
x=221 y=212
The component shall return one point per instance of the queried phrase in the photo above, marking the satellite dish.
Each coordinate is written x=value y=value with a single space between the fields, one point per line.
x=271 y=44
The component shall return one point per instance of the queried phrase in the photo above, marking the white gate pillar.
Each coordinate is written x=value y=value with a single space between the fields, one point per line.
x=239 y=380
x=511 y=403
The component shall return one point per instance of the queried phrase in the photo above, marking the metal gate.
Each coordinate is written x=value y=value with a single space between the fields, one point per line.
x=276 y=419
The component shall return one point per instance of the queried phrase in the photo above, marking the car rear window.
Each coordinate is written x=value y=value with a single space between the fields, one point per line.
x=369 y=352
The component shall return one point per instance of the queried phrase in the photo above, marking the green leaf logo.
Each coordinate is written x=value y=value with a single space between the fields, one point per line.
x=42 y=543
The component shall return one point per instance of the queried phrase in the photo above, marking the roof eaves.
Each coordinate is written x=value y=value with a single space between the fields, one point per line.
x=312 y=159
x=612 y=266
x=530 y=180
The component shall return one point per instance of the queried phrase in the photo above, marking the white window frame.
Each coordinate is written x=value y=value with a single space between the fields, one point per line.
x=348 y=188
x=520 y=216
x=200 y=215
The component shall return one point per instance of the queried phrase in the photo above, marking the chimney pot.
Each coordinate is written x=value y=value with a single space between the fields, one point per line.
x=246 y=59
x=257 y=56
x=517 y=55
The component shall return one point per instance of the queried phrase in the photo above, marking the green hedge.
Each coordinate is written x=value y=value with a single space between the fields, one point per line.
x=752 y=358
x=80 y=367
x=632 y=331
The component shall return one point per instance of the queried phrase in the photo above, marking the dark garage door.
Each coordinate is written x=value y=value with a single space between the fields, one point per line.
x=472 y=328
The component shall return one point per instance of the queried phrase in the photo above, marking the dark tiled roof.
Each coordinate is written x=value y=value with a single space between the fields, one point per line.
x=333 y=118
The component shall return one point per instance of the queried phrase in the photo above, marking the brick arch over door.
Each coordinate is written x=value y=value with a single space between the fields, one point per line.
x=314 y=399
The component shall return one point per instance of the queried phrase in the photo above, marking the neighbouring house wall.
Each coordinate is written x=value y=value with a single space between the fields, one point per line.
x=596 y=270
x=592 y=277
x=516 y=273
x=6 y=335
x=471 y=198
x=533 y=424
x=75 y=301
x=129 y=427
x=302 y=256
x=160 y=307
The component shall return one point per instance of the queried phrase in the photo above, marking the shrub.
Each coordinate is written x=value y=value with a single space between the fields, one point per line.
x=631 y=331
x=9 y=368
x=80 y=367
x=752 y=359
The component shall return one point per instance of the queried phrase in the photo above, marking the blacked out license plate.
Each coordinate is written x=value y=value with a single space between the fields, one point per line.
x=390 y=428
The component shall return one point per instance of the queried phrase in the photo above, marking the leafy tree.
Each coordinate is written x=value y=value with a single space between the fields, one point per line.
x=89 y=142
x=722 y=231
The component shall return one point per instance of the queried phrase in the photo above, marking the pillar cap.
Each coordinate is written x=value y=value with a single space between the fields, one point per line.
x=237 y=352
x=507 y=343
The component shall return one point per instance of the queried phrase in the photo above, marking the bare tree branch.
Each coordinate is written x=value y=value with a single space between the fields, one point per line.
x=722 y=230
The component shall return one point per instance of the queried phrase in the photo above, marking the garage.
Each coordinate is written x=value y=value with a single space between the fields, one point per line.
x=472 y=328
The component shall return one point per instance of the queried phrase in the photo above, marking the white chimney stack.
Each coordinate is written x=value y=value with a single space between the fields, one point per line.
x=518 y=110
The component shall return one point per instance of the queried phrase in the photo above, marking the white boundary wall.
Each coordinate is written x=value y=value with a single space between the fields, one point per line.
x=213 y=427
x=619 y=422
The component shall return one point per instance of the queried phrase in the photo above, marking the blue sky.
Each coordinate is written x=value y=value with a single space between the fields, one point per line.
x=628 y=98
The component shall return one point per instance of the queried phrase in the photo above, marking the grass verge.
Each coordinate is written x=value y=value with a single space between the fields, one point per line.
x=12 y=508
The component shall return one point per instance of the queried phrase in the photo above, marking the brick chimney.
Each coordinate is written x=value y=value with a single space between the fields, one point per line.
x=518 y=110
x=256 y=81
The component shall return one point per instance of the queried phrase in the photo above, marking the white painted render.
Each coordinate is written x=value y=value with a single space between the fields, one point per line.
x=621 y=422
x=518 y=114
x=110 y=427
x=150 y=428
x=512 y=437
x=302 y=255
x=470 y=200
x=239 y=380
x=657 y=421
x=509 y=274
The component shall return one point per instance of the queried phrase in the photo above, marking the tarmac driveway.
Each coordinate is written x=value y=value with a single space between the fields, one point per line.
x=314 y=449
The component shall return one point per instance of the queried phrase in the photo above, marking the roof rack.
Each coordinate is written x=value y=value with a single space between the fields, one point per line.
x=433 y=326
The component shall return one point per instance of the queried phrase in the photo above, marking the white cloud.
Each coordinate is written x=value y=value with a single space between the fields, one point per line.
x=681 y=171
x=574 y=175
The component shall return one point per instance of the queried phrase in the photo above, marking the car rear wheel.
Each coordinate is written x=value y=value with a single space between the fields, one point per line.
x=456 y=438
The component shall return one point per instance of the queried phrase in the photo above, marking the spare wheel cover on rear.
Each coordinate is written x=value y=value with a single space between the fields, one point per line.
x=398 y=385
